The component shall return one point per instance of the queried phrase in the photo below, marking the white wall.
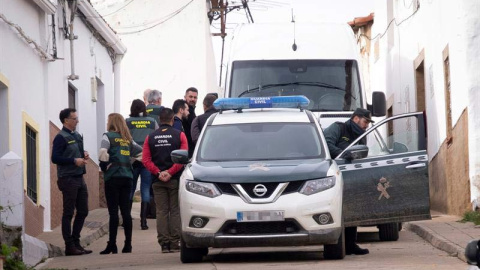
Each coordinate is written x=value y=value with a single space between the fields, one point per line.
x=39 y=88
x=435 y=25
x=170 y=57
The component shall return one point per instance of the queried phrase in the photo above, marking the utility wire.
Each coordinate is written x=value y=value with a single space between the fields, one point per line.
x=389 y=24
x=159 y=23
x=111 y=13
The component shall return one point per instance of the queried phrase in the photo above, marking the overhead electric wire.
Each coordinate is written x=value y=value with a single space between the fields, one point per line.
x=175 y=13
x=389 y=24
x=111 y=13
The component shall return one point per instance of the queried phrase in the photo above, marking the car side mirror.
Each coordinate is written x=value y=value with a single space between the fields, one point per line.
x=355 y=152
x=472 y=252
x=379 y=104
x=179 y=156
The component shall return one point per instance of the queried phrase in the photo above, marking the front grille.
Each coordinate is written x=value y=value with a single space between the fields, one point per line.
x=226 y=188
x=249 y=189
x=259 y=228
x=293 y=187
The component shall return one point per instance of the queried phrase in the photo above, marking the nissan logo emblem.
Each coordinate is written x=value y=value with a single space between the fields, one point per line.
x=260 y=190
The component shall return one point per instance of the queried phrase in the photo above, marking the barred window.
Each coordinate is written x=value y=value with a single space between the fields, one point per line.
x=31 y=141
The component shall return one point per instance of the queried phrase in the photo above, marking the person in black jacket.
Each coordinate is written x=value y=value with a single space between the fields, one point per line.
x=70 y=157
x=339 y=135
x=181 y=110
x=199 y=121
x=191 y=96
x=140 y=125
x=165 y=178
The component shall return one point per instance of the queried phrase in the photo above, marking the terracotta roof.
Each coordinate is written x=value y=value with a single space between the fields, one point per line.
x=361 y=21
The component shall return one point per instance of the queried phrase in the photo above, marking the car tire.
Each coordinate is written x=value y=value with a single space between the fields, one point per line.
x=191 y=255
x=335 y=251
x=388 y=232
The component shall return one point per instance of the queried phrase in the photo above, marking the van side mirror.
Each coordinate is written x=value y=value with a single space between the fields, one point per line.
x=179 y=156
x=379 y=104
x=355 y=152
x=472 y=252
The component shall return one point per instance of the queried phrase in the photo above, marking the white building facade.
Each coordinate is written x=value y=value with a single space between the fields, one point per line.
x=41 y=74
x=424 y=55
x=169 y=48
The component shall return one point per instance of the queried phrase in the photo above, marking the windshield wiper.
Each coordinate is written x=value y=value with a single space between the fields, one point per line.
x=266 y=86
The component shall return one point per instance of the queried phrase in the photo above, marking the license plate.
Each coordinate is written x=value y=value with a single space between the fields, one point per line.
x=248 y=216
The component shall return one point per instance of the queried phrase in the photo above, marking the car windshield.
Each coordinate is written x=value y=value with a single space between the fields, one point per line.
x=260 y=141
x=331 y=85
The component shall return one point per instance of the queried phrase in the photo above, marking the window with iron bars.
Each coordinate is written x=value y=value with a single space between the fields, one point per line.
x=31 y=141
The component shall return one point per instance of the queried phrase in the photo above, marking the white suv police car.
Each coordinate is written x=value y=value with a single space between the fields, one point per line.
x=261 y=175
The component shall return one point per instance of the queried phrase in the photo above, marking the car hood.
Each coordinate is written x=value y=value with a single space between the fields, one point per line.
x=259 y=171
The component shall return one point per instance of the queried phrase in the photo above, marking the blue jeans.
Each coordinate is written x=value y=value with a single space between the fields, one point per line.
x=146 y=181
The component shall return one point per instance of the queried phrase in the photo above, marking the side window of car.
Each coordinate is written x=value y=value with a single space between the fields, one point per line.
x=396 y=136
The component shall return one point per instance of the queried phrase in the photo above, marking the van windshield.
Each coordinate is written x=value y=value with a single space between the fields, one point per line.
x=331 y=85
x=260 y=141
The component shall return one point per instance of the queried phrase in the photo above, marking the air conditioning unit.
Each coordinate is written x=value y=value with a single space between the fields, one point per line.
x=93 y=81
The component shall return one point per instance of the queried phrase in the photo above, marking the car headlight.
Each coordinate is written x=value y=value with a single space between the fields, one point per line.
x=314 y=186
x=204 y=189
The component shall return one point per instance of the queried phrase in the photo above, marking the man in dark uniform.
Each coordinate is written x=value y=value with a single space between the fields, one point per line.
x=165 y=177
x=181 y=111
x=154 y=106
x=338 y=136
x=70 y=157
x=199 y=121
x=191 y=96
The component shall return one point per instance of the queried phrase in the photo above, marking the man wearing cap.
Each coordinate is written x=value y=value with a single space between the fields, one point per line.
x=339 y=135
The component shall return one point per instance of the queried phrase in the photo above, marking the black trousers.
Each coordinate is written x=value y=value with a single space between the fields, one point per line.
x=350 y=237
x=75 y=197
x=117 y=193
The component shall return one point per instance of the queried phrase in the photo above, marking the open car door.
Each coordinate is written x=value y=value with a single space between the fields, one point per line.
x=390 y=183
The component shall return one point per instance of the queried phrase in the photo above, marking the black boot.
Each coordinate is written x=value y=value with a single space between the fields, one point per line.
x=127 y=248
x=71 y=250
x=111 y=248
x=143 y=215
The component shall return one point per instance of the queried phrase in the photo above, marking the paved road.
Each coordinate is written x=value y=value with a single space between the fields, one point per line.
x=410 y=252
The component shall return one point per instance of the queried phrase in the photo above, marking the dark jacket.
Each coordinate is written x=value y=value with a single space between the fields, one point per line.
x=140 y=127
x=177 y=123
x=340 y=135
x=199 y=122
x=187 y=127
x=154 y=112
x=67 y=146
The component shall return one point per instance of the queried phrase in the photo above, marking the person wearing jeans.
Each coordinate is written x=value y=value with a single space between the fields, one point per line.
x=140 y=126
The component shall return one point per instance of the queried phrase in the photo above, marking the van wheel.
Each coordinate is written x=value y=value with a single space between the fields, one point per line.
x=388 y=232
x=335 y=251
x=191 y=255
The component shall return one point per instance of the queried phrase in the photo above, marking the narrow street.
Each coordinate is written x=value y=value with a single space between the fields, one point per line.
x=409 y=252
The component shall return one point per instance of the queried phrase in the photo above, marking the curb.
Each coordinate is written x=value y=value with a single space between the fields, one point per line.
x=56 y=251
x=437 y=241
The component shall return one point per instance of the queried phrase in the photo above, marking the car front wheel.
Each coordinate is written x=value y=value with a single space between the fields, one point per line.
x=191 y=255
x=388 y=232
x=335 y=251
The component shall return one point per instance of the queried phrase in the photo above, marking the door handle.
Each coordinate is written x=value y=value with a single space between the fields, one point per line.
x=416 y=166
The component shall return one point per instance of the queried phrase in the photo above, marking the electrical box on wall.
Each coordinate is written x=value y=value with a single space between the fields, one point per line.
x=93 y=81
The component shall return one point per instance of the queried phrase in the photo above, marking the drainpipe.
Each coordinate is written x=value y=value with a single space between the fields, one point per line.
x=72 y=37
x=116 y=82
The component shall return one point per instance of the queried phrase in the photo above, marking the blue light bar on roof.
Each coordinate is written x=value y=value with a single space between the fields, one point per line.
x=300 y=102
